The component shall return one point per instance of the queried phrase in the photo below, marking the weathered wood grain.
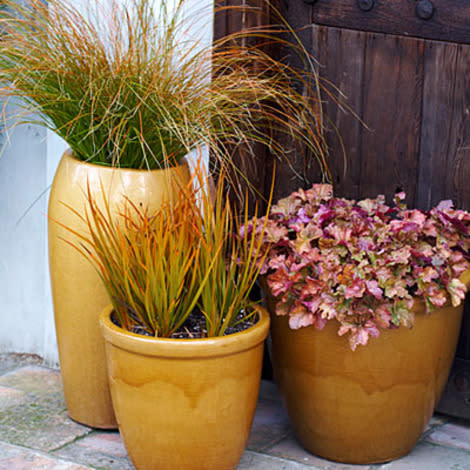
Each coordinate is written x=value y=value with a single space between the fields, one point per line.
x=458 y=159
x=234 y=16
x=449 y=22
x=340 y=54
x=436 y=127
x=391 y=107
x=297 y=169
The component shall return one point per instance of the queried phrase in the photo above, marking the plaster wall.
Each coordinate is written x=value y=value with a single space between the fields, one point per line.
x=27 y=166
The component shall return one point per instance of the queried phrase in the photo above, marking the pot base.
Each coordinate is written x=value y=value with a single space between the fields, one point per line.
x=185 y=403
x=370 y=405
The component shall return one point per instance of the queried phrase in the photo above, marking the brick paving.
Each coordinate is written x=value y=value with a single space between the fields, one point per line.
x=36 y=433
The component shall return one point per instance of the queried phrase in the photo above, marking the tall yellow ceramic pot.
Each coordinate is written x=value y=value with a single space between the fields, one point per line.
x=370 y=405
x=77 y=291
x=184 y=404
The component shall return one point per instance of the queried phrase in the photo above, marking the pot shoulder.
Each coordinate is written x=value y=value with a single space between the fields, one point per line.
x=176 y=348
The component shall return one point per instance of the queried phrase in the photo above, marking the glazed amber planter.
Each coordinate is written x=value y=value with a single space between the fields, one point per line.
x=184 y=404
x=370 y=405
x=77 y=291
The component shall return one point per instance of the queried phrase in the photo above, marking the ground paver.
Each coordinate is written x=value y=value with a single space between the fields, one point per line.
x=10 y=397
x=453 y=435
x=271 y=423
x=426 y=456
x=20 y=458
x=290 y=448
x=98 y=449
x=36 y=380
x=38 y=419
x=37 y=434
x=257 y=461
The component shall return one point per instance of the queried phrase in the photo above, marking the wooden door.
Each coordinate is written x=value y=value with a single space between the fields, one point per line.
x=404 y=66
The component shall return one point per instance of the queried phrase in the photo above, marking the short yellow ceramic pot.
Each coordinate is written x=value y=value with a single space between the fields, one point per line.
x=77 y=291
x=184 y=403
x=370 y=405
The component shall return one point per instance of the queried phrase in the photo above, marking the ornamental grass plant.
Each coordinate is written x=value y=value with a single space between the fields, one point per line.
x=124 y=85
x=181 y=271
x=362 y=264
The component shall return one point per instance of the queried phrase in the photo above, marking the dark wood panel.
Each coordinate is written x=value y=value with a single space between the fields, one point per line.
x=450 y=19
x=231 y=17
x=295 y=170
x=457 y=181
x=438 y=104
x=458 y=161
x=340 y=54
x=445 y=148
x=391 y=103
x=220 y=27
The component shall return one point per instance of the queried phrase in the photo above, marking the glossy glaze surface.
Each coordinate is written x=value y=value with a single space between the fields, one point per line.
x=185 y=404
x=78 y=294
x=370 y=405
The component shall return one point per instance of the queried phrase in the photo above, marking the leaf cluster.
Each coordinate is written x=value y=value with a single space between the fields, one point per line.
x=361 y=264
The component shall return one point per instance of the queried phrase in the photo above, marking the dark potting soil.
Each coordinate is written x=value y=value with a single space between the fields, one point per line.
x=194 y=326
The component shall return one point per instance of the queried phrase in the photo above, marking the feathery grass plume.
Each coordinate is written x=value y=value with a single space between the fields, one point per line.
x=185 y=258
x=125 y=85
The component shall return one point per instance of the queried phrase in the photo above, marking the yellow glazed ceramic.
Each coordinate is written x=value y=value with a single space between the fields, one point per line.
x=370 y=405
x=184 y=404
x=77 y=292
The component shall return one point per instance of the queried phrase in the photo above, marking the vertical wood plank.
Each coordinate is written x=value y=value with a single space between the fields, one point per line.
x=392 y=98
x=340 y=56
x=220 y=19
x=458 y=159
x=444 y=167
x=438 y=116
x=234 y=16
x=457 y=181
x=293 y=173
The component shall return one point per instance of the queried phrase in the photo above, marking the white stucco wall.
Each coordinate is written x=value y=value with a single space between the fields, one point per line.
x=27 y=165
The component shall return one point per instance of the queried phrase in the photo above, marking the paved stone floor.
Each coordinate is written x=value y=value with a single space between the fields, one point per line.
x=35 y=432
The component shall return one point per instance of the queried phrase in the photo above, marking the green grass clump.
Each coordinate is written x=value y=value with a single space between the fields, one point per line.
x=126 y=87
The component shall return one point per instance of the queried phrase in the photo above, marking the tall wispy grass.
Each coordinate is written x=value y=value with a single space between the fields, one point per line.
x=186 y=258
x=126 y=86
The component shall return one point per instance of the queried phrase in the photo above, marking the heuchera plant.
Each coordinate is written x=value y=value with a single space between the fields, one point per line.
x=361 y=263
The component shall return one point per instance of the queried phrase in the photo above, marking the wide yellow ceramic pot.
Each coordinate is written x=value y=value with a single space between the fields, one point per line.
x=184 y=404
x=77 y=291
x=370 y=405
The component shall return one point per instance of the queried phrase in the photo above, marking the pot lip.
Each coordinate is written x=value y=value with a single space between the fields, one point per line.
x=176 y=348
x=69 y=156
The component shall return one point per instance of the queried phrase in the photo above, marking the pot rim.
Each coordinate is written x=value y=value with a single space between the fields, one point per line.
x=176 y=348
x=69 y=155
